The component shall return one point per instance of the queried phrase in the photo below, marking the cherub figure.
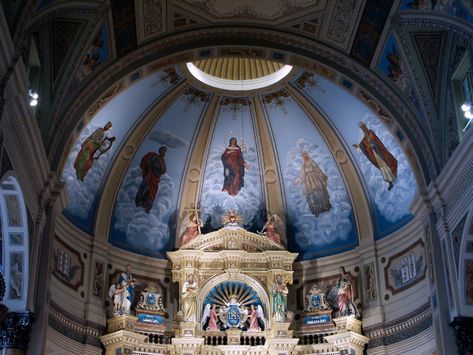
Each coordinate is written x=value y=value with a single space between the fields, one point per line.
x=116 y=294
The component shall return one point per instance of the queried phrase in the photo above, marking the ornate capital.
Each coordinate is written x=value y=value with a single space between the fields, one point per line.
x=463 y=327
x=16 y=330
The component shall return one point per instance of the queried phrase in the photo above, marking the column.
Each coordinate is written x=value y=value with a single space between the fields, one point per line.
x=15 y=333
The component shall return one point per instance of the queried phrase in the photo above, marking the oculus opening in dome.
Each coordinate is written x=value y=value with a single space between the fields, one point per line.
x=238 y=74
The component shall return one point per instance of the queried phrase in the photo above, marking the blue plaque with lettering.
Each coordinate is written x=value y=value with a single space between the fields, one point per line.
x=150 y=318
x=320 y=319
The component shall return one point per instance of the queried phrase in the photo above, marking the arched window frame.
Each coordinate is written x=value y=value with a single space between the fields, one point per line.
x=15 y=244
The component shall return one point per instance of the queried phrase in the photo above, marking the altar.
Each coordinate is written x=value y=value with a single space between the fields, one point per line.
x=233 y=300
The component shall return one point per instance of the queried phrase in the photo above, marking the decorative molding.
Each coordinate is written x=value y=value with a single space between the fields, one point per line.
x=73 y=327
x=258 y=10
x=401 y=328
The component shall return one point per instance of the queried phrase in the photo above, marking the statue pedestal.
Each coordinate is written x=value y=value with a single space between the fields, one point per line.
x=233 y=336
x=348 y=337
x=122 y=322
x=122 y=342
x=187 y=329
x=187 y=345
x=280 y=339
x=281 y=330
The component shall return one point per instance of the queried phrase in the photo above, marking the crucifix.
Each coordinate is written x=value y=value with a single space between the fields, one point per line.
x=195 y=210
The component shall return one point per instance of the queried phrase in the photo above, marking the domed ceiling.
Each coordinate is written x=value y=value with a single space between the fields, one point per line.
x=246 y=145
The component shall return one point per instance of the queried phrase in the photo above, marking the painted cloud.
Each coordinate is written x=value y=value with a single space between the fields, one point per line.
x=144 y=232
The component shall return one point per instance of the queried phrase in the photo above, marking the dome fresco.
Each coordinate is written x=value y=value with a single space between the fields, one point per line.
x=225 y=134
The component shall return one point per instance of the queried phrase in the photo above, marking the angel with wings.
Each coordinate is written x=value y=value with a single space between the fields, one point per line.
x=256 y=317
x=210 y=318
x=273 y=228
x=192 y=229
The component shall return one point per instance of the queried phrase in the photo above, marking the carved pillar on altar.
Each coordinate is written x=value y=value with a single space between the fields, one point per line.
x=15 y=333
x=348 y=338
x=281 y=340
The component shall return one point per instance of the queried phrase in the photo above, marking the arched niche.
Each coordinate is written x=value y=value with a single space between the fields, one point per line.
x=14 y=240
x=248 y=280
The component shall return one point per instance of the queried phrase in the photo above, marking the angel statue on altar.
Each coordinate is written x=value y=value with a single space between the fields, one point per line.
x=256 y=316
x=210 y=318
x=273 y=228
x=192 y=230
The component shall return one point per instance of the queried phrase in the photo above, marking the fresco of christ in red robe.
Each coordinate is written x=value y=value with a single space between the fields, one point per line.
x=233 y=168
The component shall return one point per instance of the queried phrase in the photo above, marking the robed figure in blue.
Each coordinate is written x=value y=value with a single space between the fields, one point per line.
x=128 y=283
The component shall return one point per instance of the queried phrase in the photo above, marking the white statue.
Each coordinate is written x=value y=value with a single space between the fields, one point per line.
x=189 y=303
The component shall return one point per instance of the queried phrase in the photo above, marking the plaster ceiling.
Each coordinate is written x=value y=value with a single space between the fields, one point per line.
x=308 y=114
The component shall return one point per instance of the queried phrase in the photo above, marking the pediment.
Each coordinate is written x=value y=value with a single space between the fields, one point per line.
x=237 y=239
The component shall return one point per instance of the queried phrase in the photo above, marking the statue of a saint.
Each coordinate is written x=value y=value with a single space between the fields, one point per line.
x=279 y=294
x=189 y=303
x=127 y=282
x=346 y=306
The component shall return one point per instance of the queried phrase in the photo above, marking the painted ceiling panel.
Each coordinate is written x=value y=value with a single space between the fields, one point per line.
x=320 y=215
x=229 y=181
x=144 y=218
x=391 y=208
x=82 y=195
